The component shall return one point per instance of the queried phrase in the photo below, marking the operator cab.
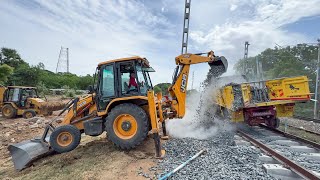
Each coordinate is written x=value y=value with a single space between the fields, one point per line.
x=19 y=95
x=122 y=78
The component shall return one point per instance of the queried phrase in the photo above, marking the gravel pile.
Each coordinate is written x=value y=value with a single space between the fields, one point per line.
x=223 y=159
x=308 y=125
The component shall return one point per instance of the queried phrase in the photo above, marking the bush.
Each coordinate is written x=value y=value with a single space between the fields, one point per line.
x=42 y=89
x=68 y=92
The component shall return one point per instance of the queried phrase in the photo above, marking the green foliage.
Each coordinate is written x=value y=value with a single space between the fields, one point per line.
x=69 y=93
x=157 y=89
x=11 y=57
x=162 y=87
x=42 y=89
x=285 y=62
x=5 y=72
x=25 y=75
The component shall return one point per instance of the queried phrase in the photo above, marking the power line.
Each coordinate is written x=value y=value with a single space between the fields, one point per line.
x=63 y=60
x=185 y=30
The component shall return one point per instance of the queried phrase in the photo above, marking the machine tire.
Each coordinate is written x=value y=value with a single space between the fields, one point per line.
x=66 y=131
x=8 y=111
x=29 y=114
x=135 y=132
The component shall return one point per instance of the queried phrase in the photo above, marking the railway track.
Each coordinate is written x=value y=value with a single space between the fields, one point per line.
x=308 y=131
x=307 y=119
x=284 y=156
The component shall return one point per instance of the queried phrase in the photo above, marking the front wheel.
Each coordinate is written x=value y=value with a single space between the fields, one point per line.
x=65 y=138
x=29 y=114
x=127 y=125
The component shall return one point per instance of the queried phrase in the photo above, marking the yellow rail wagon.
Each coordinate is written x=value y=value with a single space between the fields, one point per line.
x=262 y=101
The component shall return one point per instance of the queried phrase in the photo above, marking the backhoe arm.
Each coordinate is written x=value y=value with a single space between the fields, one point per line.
x=178 y=89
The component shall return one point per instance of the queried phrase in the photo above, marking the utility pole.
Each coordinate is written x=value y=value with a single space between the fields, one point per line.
x=63 y=60
x=192 y=80
x=316 y=104
x=185 y=30
x=245 y=57
x=257 y=69
x=68 y=60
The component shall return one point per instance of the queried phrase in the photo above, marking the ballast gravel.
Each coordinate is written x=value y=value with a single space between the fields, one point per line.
x=223 y=159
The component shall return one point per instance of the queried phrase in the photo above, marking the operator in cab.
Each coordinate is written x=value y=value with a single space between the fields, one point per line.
x=132 y=81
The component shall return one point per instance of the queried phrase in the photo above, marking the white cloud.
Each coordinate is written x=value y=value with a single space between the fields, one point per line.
x=98 y=30
x=233 y=7
x=262 y=29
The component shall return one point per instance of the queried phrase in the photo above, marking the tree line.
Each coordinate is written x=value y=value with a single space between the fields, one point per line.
x=16 y=71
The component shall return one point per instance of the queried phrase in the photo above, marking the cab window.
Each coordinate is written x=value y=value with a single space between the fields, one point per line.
x=107 y=83
x=142 y=81
x=129 y=83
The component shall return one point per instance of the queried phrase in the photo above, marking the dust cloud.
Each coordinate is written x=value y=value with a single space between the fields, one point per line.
x=201 y=120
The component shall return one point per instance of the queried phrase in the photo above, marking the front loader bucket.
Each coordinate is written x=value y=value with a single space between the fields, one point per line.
x=46 y=107
x=25 y=152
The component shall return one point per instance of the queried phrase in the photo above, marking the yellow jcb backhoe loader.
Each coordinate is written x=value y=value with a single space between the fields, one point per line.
x=123 y=104
x=21 y=100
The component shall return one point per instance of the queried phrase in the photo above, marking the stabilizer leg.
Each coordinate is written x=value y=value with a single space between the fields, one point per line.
x=159 y=151
x=164 y=131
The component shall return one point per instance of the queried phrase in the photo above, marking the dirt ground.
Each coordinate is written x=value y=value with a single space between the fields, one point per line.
x=95 y=158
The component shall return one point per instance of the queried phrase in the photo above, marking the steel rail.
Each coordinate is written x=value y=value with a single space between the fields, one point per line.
x=306 y=119
x=308 y=131
x=306 y=141
x=301 y=171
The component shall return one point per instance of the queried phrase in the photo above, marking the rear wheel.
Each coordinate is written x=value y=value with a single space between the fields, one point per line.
x=8 y=111
x=65 y=138
x=127 y=125
x=29 y=114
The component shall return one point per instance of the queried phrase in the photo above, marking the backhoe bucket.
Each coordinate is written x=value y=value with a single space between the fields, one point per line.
x=220 y=63
x=217 y=67
x=25 y=152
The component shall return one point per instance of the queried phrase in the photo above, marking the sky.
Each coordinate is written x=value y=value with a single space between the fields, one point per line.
x=99 y=30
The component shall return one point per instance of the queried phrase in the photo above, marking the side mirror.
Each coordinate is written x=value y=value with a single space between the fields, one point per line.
x=90 y=89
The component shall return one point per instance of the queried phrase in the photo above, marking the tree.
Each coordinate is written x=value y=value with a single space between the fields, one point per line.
x=11 y=58
x=163 y=88
x=157 y=89
x=85 y=81
x=5 y=72
x=25 y=75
